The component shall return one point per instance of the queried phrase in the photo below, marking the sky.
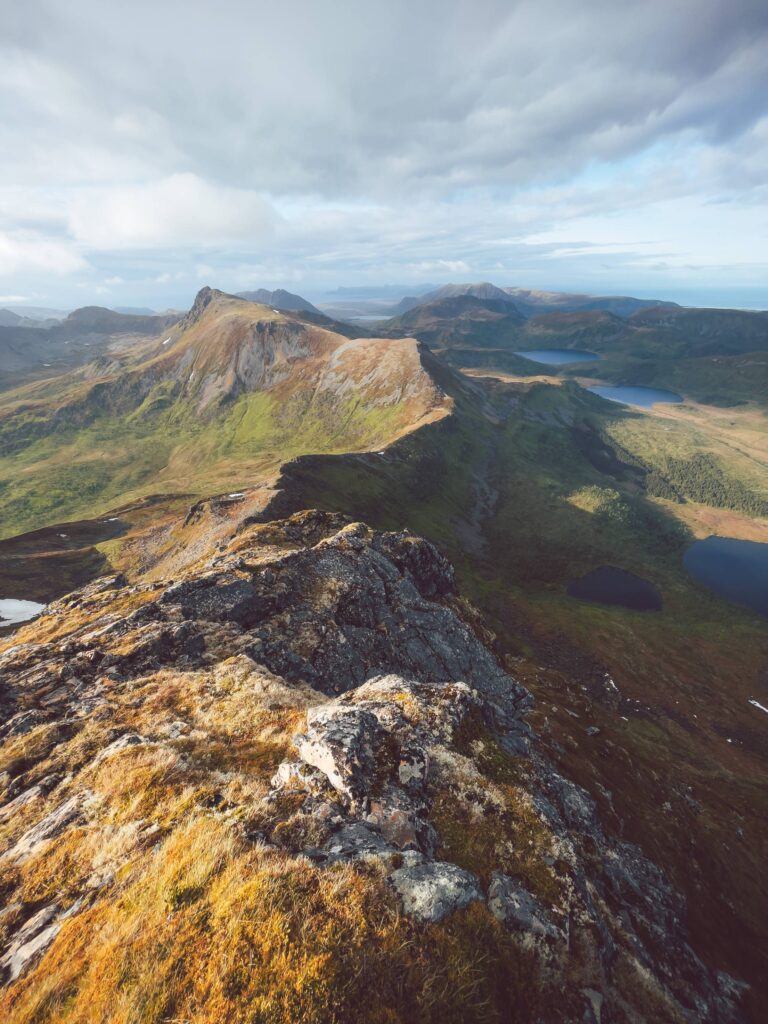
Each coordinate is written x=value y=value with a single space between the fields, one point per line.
x=153 y=147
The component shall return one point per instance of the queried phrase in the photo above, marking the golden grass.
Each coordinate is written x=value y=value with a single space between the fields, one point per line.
x=210 y=929
x=184 y=919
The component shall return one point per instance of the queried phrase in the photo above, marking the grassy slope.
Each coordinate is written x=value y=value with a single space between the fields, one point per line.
x=87 y=472
x=559 y=504
x=78 y=445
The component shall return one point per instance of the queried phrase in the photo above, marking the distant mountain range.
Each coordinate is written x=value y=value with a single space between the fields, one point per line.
x=530 y=302
x=718 y=356
x=8 y=318
x=280 y=299
x=29 y=350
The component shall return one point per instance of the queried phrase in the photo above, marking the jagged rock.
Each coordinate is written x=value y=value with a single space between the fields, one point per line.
x=21 y=723
x=354 y=842
x=26 y=797
x=400 y=820
x=367 y=620
x=52 y=825
x=371 y=744
x=33 y=939
x=219 y=599
x=429 y=711
x=575 y=804
x=518 y=910
x=341 y=742
x=30 y=942
x=429 y=892
x=298 y=775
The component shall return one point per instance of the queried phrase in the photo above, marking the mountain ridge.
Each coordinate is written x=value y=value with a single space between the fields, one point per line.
x=382 y=736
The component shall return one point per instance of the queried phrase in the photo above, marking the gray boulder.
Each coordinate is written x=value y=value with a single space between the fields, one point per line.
x=430 y=892
x=341 y=742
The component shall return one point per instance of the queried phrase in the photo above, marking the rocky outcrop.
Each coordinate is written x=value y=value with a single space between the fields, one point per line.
x=410 y=762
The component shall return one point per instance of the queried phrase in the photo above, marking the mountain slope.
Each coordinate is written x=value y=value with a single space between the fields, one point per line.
x=295 y=777
x=460 y=321
x=233 y=390
x=483 y=290
x=525 y=487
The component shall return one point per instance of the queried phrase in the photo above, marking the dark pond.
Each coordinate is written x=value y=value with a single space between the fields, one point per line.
x=735 y=569
x=558 y=356
x=609 y=585
x=631 y=395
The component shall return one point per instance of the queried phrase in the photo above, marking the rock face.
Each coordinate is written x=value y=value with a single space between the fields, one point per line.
x=410 y=762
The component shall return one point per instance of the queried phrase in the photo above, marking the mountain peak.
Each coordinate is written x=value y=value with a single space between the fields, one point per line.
x=203 y=299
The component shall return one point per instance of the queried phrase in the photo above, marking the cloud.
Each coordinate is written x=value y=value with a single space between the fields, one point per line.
x=24 y=252
x=339 y=99
x=305 y=142
x=179 y=209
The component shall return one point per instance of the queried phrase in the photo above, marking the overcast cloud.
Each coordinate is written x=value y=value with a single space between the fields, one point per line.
x=154 y=146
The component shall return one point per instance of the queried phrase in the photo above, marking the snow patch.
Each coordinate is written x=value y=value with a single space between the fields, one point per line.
x=13 y=611
x=757 y=704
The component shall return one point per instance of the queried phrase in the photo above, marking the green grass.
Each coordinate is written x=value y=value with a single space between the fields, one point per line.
x=163 y=445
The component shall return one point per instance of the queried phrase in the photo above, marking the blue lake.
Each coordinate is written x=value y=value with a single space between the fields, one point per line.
x=609 y=585
x=629 y=395
x=558 y=356
x=735 y=569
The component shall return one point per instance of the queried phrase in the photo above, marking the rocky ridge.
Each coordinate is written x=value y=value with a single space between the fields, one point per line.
x=317 y=693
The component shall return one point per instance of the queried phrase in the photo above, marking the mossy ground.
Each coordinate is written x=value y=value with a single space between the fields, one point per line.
x=87 y=471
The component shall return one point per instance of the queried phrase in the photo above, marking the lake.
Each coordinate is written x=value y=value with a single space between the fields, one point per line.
x=13 y=611
x=635 y=395
x=609 y=585
x=735 y=569
x=558 y=356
